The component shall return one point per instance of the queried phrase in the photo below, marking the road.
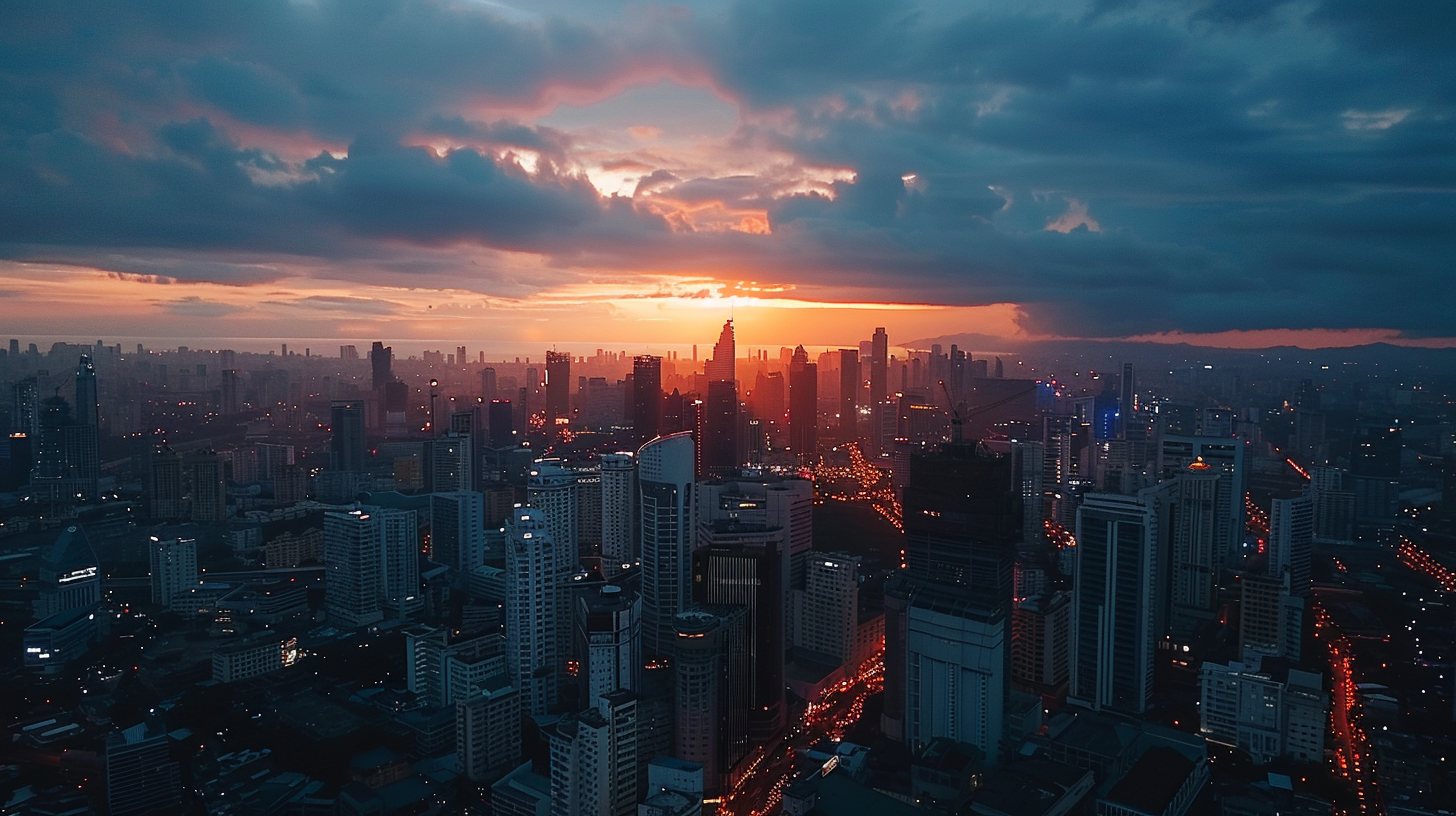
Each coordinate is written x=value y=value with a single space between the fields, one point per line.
x=760 y=790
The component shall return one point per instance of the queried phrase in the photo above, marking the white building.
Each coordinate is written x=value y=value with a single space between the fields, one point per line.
x=174 y=568
x=619 y=511
x=1265 y=708
x=552 y=489
x=956 y=651
x=665 y=468
x=594 y=759
x=609 y=641
x=533 y=654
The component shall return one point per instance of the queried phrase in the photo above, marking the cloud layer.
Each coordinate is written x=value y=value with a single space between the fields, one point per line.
x=1114 y=169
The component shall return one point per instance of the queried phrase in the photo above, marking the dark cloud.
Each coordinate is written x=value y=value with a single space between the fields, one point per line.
x=1234 y=165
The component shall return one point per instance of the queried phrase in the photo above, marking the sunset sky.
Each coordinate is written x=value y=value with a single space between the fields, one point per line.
x=1228 y=172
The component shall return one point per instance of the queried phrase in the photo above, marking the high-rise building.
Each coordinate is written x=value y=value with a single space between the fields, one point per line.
x=457 y=529
x=502 y=424
x=87 y=408
x=1197 y=529
x=207 y=485
x=533 y=653
x=879 y=366
x=608 y=641
x=25 y=407
x=1375 y=479
x=829 y=605
x=1271 y=618
x=174 y=569
x=1118 y=590
x=400 y=582
x=69 y=574
x=619 y=512
x=142 y=779
x=723 y=366
x=552 y=489
x=346 y=442
x=1041 y=628
x=963 y=517
x=1291 y=541
x=558 y=388
x=381 y=361
x=741 y=565
x=594 y=762
x=353 y=560
x=164 y=487
x=803 y=405
x=646 y=397
x=665 y=484
x=449 y=463
x=488 y=391
x=709 y=652
x=1126 y=402
x=1224 y=455
x=718 y=431
x=849 y=386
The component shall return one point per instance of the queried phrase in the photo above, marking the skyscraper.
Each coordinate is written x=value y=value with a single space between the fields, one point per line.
x=1291 y=541
x=723 y=365
x=1224 y=455
x=828 y=610
x=718 y=430
x=619 y=511
x=87 y=409
x=551 y=488
x=400 y=584
x=457 y=529
x=665 y=483
x=879 y=366
x=1196 y=531
x=646 y=397
x=532 y=592
x=502 y=424
x=709 y=653
x=594 y=765
x=346 y=443
x=207 y=483
x=381 y=361
x=173 y=568
x=1118 y=588
x=488 y=384
x=353 y=560
x=608 y=641
x=803 y=405
x=848 y=394
x=558 y=388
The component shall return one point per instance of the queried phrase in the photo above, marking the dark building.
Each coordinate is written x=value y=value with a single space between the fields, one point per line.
x=87 y=410
x=741 y=565
x=646 y=397
x=346 y=444
x=381 y=361
x=962 y=520
x=848 y=395
x=879 y=366
x=803 y=405
x=710 y=671
x=558 y=388
x=502 y=424
x=718 y=431
x=141 y=776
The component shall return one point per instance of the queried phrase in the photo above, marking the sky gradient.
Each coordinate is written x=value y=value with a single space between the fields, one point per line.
x=1233 y=172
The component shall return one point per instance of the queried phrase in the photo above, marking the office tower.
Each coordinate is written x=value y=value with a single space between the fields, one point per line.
x=848 y=395
x=879 y=366
x=589 y=511
x=1041 y=627
x=1375 y=479
x=718 y=431
x=164 y=488
x=709 y=652
x=1271 y=618
x=646 y=398
x=742 y=565
x=502 y=424
x=174 y=569
x=558 y=389
x=1224 y=455
x=346 y=441
x=87 y=409
x=448 y=463
x=963 y=517
x=381 y=361
x=1197 y=527
x=803 y=406
x=230 y=392
x=353 y=557
x=69 y=574
x=488 y=384
x=207 y=481
x=608 y=641
x=723 y=366
x=551 y=488
x=400 y=585
x=25 y=407
x=533 y=654
x=594 y=759
x=1265 y=707
x=1117 y=592
x=142 y=779
x=457 y=529
x=1291 y=541
x=1334 y=505
x=665 y=491
x=488 y=730
x=619 y=512
x=829 y=606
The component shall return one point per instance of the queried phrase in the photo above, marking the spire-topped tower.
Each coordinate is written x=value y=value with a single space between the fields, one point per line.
x=721 y=367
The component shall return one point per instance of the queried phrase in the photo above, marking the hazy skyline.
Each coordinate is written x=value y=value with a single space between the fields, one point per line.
x=1245 y=174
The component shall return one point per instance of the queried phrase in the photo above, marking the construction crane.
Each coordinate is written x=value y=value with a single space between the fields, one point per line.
x=959 y=413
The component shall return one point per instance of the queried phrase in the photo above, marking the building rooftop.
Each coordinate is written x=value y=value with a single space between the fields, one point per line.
x=1150 y=785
